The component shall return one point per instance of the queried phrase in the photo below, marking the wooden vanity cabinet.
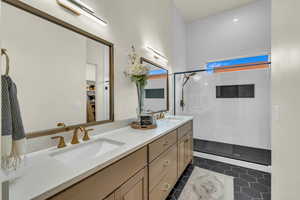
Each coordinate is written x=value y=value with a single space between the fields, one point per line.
x=150 y=173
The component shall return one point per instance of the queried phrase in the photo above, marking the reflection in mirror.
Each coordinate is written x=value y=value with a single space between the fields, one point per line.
x=61 y=75
x=157 y=88
x=97 y=81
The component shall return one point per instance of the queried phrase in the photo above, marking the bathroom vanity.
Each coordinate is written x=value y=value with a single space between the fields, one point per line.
x=146 y=165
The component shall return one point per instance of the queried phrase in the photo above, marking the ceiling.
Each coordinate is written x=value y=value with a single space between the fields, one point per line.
x=197 y=9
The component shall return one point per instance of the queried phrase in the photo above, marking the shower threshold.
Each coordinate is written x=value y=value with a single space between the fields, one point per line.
x=243 y=153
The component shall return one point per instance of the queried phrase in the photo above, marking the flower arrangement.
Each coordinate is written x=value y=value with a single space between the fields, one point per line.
x=137 y=73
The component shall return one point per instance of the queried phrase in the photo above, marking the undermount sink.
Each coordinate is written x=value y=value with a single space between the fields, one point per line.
x=86 y=151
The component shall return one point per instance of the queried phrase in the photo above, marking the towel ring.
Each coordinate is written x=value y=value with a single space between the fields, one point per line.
x=4 y=52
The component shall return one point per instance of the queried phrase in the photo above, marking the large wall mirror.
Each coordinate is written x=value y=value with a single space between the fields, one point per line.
x=157 y=88
x=63 y=74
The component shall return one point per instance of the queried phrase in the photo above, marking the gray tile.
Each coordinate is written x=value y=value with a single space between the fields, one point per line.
x=239 y=170
x=259 y=187
x=248 y=178
x=266 y=182
x=224 y=166
x=212 y=162
x=251 y=192
x=246 y=187
x=267 y=176
x=232 y=173
x=241 y=182
x=240 y=196
x=266 y=196
x=255 y=173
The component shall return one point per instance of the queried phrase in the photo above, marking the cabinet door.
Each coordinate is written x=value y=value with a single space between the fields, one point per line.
x=191 y=148
x=181 y=150
x=185 y=152
x=136 y=188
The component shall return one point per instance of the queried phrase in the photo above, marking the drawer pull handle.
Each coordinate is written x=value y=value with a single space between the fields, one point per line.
x=166 y=164
x=166 y=187
x=166 y=143
x=186 y=141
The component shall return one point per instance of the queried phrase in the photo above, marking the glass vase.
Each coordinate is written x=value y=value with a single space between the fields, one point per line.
x=141 y=95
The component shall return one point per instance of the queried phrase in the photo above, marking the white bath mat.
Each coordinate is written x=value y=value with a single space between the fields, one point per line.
x=208 y=185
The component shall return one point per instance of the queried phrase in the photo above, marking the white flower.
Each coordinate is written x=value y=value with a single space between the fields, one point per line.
x=137 y=69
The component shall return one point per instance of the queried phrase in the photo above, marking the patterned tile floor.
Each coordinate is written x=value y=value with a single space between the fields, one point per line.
x=248 y=184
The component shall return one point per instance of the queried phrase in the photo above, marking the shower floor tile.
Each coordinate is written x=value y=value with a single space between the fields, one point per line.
x=249 y=154
x=249 y=184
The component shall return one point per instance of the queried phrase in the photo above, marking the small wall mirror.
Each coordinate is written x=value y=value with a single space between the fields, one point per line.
x=63 y=74
x=157 y=88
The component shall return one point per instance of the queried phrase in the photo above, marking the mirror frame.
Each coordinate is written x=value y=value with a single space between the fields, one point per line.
x=50 y=18
x=145 y=60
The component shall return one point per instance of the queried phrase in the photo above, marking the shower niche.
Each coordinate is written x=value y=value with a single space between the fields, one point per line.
x=235 y=91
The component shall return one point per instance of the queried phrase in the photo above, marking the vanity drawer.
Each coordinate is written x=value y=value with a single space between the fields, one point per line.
x=164 y=187
x=104 y=182
x=162 y=144
x=161 y=165
x=185 y=129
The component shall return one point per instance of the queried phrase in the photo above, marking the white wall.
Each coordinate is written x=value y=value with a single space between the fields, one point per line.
x=285 y=99
x=218 y=37
x=179 y=41
x=241 y=121
x=179 y=50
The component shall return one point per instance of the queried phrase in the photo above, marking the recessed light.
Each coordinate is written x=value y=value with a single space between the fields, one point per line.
x=235 y=20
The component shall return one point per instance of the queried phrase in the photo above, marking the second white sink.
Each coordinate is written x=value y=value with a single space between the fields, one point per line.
x=87 y=151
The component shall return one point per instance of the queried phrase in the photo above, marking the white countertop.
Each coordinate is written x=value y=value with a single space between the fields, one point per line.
x=43 y=176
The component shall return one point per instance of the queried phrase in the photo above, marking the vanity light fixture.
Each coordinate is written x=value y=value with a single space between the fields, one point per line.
x=157 y=54
x=80 y=8
x=83 y=6
x=70 y=6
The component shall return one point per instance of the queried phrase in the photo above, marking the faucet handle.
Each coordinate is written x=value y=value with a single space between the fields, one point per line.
x=61 y=143
x=86 y=136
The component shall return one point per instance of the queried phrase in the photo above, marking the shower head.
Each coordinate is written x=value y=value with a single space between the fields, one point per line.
x=190 y=75
x=187 y=77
